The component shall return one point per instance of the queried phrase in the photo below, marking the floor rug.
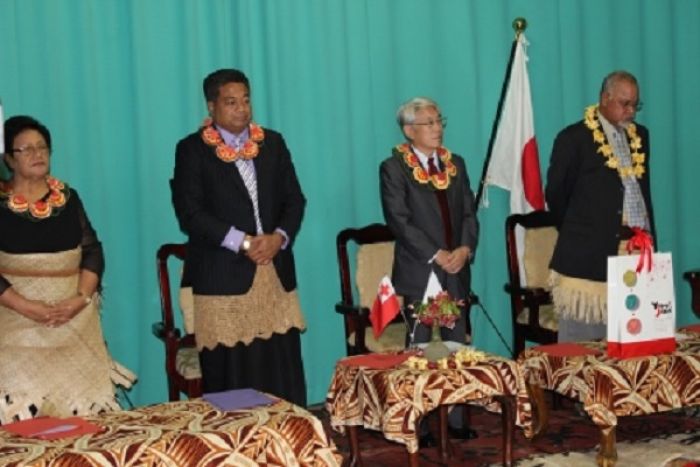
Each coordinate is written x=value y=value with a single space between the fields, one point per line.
x=679 y=449
x=568 y=432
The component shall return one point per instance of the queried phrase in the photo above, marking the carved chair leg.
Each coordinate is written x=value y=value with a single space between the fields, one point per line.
x=173 y=391
x=508 y=422
x=444 y=436
x=539 y=409
x=355 y=458
x=607 y=455
x=466 y=415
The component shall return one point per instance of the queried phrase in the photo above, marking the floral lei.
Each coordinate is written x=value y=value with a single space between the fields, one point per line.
x=439 y=181
x=226 y=153
x=637 y=168
x=40 y=209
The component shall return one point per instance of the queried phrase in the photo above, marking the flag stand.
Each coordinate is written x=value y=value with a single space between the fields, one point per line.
x=519 y=25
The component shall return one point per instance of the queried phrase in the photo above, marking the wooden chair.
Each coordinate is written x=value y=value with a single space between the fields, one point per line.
x=181 y=356
x=693 y=278
x=530 y=298
x=374 y=258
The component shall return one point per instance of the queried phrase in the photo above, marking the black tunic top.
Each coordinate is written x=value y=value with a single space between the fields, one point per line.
x=66 y=230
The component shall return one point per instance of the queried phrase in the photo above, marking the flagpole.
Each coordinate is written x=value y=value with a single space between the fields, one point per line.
x=519 y=25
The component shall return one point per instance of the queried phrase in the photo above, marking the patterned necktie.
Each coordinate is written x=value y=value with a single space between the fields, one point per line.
x=444 y=208
x=247 y=171
x=633 y=206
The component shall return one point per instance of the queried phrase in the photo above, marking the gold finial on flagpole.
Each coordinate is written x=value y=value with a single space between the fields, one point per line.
x=519 y=25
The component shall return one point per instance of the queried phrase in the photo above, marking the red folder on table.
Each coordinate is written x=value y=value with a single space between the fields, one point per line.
x=52 y=427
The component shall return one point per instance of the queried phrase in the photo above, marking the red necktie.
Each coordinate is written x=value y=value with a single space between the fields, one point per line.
x=444 y=208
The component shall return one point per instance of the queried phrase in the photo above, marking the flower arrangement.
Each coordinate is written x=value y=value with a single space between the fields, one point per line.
x=441 y=310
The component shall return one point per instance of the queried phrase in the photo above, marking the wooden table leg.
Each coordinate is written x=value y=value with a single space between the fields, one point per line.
x=539 y=409
x=444 y=436
x=508 y=422
x=607 y=455
x=355 y=458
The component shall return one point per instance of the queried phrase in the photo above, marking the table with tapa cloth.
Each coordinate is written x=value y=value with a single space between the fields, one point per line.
x=185 y=433
x=393 y=398
x=608 y=387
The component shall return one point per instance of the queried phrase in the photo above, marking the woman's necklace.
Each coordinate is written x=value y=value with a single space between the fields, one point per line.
x=44 y=207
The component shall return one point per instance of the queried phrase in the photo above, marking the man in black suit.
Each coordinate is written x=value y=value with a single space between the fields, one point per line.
x=237 y=197
x=597 y=189
x=429 y=207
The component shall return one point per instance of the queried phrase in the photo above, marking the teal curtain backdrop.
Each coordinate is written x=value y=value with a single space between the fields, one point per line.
x=119 y=83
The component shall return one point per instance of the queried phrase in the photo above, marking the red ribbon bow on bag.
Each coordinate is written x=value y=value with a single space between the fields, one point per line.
x=642 y=241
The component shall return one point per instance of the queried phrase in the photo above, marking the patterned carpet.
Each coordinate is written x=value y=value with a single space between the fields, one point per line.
x=568 y=432
x=679 y=450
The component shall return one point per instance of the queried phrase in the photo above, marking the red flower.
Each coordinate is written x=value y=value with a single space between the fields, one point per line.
x=249 y=149
x=411 y=160
x=211 y=136
x=56 y=198
x=18 y=203
x=40 y=209
x=256 y=133
x=226 y=153
x=420 y=175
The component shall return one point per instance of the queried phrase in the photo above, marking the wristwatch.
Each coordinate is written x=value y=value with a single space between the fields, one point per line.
x=245 y=245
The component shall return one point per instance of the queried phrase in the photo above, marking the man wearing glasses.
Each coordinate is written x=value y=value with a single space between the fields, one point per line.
x=429 y=207
x=598 y=190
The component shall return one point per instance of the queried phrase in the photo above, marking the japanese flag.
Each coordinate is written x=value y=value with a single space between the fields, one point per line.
x=514 y=163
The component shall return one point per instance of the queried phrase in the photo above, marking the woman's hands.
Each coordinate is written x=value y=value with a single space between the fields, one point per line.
x=53 y=315
x=65 y=310
x=35 y=310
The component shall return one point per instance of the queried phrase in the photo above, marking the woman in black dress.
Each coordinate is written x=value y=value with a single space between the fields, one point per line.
x=53 y=359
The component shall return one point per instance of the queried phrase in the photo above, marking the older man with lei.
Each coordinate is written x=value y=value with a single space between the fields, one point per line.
x=53 y=359
x=599 y=193
x=429 y=207
x=237 y=196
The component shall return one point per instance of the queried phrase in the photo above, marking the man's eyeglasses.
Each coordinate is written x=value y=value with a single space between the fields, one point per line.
x=41 y=150
x=442 y=122
x=636 y=106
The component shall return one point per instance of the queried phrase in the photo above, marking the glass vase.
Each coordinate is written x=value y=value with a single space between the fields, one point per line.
x=436 y=348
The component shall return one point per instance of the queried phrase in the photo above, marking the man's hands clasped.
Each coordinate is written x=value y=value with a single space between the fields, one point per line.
x=453 y=261
x=263 y=248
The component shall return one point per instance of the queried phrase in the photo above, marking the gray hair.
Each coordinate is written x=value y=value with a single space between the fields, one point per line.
x=407 y=112
x=613 y=78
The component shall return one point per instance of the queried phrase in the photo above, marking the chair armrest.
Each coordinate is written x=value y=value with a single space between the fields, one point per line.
x=344 y=309
x=158 y=329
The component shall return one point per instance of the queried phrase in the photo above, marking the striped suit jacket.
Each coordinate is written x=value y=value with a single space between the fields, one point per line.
x=210 y=196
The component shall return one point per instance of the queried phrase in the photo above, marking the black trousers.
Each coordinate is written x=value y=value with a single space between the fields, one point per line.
x=271 y=365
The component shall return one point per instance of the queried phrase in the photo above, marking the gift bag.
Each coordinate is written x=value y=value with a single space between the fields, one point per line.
x=641 y=306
